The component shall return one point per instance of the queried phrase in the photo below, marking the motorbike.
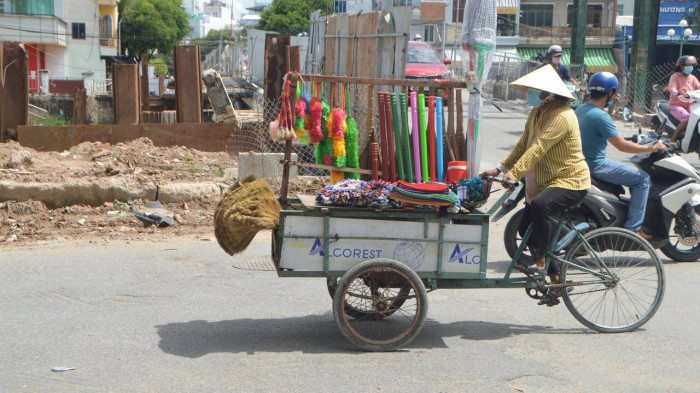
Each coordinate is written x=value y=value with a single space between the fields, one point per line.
x=690 y=141
x=672 y=208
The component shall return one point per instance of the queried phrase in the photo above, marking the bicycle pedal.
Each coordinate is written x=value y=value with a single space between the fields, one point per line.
x=550 y=300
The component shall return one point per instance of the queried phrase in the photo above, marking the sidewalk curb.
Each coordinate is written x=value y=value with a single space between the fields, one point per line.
x=55 y=195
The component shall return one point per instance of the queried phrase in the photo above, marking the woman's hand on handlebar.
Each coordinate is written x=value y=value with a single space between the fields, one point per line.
x=508 y=180
x=490 y=173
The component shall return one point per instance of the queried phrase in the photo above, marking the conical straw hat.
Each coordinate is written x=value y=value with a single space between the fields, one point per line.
x=545 y=79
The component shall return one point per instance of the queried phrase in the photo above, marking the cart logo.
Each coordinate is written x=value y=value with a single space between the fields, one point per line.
x=461 y=255
x=317 y=248
x=410 y=253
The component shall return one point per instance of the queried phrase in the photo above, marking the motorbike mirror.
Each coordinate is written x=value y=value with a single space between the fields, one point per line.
x=627 y=114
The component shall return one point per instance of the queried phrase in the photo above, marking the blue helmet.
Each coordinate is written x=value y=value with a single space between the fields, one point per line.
x=603 y=82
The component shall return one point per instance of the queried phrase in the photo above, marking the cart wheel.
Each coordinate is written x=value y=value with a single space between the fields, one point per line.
x=397 y=294
x=391 y=300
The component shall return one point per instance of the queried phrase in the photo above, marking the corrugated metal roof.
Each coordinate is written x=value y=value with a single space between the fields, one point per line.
x=508 y=3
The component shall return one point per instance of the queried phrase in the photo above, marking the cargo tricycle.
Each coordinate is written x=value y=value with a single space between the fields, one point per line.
x=380 y=265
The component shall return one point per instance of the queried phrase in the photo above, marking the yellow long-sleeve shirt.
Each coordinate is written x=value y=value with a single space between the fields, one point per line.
x=556 y=150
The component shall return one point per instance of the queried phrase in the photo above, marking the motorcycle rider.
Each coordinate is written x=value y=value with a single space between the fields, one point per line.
x=597 y=129
x=681 y=82
x=553 y=58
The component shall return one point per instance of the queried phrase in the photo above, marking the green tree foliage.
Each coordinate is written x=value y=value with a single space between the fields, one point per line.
x=152 y=25
x=290 y=16
x=211 y=41
x=160 y=68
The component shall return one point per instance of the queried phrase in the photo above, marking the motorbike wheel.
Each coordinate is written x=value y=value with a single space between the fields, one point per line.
x=678 y=251
x=511 y=237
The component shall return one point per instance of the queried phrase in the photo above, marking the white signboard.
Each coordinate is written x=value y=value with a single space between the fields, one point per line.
x=461 y=251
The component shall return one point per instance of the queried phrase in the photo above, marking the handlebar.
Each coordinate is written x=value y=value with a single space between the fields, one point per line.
x=511 y=184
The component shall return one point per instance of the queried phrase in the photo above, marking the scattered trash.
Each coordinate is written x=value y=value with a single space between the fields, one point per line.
x=113 y=212
x=82 y=221
x=61 y=369
x=152 y=219
x=46 y=243
x=100 y=154
x=11 y=238
x=206 y=239
x=138 y=171
x=154 y=205
x=121 y=205
x=65 y=153
x=178 y=218
x=184 y=205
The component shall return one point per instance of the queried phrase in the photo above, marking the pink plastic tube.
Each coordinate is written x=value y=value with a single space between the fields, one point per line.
x=416 y=141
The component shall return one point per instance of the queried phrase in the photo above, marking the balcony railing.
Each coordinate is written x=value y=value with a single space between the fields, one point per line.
x=33 y=28
x=564 y=32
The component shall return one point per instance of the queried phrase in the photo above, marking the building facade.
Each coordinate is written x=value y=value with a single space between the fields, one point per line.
x=67 y=38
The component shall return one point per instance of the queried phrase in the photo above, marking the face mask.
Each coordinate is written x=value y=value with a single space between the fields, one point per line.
x=687 y=70
x=533 y=97
x=556 y=60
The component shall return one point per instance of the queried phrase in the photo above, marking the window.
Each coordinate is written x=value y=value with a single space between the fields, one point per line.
x=429 y=35
x=340 y=6
x=422 y=55
x=106 y=27
x=79 y=31
x=2 y=6
x=536 y=15
x=506 y=25
x=594 y=18
x=32 y=7
x=398 y=3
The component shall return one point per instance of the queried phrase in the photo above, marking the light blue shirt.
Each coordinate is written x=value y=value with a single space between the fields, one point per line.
x=596 y=127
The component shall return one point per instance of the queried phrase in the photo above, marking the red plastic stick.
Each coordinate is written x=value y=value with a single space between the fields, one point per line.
x=388 y=115
x=431 y=134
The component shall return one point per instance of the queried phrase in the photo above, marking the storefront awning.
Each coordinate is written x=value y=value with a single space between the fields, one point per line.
x=595 y=59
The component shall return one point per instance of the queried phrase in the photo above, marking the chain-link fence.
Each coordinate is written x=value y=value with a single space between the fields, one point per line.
x=641 y=90
x=255 y=135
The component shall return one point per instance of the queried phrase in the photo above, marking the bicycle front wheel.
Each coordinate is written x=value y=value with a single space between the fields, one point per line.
x=627 y=300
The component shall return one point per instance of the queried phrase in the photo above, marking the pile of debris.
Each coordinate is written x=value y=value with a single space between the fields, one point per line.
x=134 y=165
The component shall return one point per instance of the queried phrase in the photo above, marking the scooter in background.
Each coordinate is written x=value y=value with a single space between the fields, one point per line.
x=672 y=212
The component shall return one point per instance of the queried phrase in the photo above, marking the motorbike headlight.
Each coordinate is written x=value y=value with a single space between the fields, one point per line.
x=446 y=75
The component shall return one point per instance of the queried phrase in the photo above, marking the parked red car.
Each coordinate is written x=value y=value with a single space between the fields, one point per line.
x=424 y=62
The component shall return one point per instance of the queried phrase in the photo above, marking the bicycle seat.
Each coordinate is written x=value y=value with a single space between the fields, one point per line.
x=614 y=189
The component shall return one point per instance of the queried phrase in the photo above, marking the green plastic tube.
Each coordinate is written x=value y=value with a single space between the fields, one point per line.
x=397 y=135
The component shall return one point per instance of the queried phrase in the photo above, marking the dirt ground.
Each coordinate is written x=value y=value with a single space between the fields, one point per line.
x=137 y=162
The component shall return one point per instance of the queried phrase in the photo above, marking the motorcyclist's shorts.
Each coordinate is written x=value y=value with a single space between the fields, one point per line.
x=681 y=114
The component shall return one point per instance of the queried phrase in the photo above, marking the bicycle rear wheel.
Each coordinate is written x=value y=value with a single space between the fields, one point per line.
x=627 y=301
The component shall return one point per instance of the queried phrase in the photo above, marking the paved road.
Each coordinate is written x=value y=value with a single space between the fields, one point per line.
x=180 y=316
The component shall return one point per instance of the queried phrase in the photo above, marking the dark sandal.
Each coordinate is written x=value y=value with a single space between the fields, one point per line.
x=523 y=268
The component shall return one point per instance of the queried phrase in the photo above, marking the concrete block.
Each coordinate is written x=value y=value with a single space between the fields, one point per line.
x=264 y=165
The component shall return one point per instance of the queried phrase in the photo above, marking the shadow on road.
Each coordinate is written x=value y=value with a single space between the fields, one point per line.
x=315 y=334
